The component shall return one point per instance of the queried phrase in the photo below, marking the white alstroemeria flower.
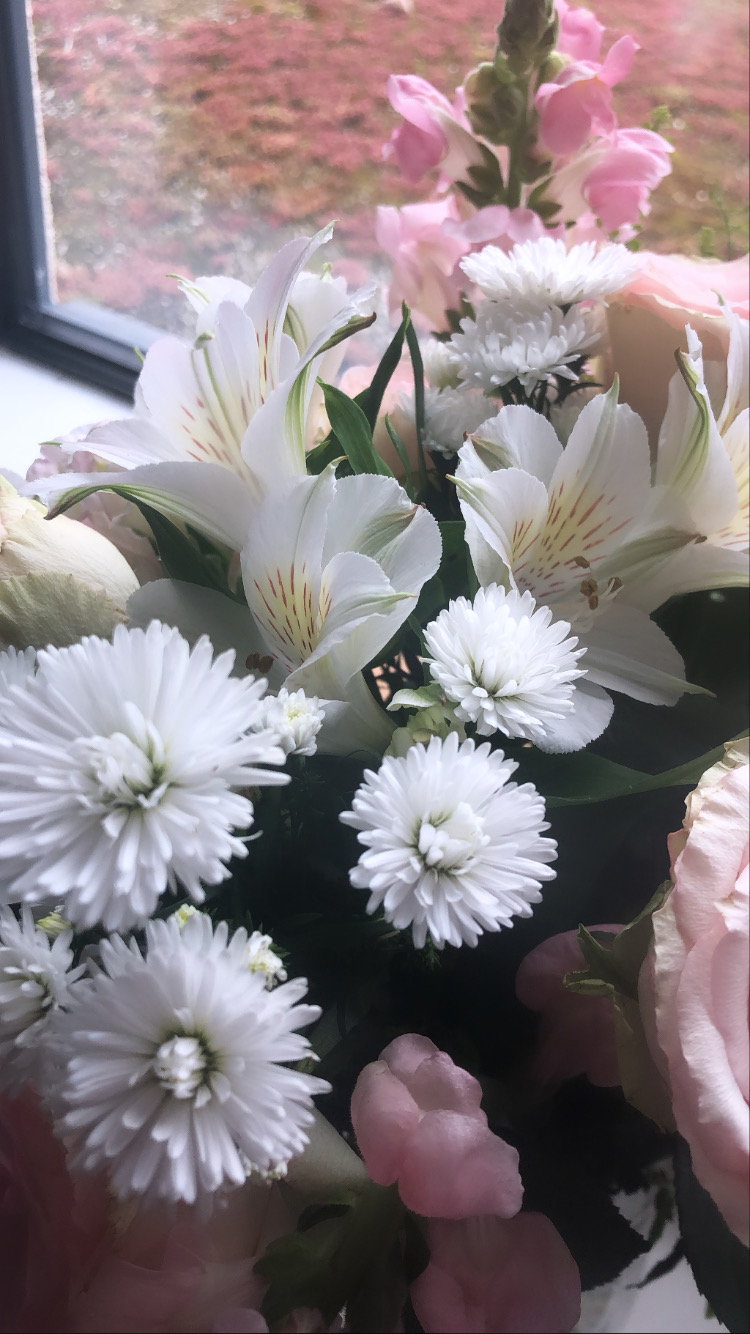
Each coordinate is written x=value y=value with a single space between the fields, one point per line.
x=452 y=414
x=35 y=978
x=561 y=528
x=505 y=664
x=331 y=570
x=452 y=848
x=219 y=423
x=546 y=272
x=702 y=466
x=525 y=342
x=122 y=766
x=176 y=1069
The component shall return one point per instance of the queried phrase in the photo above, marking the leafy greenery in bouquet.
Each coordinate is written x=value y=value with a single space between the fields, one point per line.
x=382 y=745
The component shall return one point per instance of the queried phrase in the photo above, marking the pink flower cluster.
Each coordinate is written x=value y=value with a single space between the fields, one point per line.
x=419 y=1123
x=601 y=175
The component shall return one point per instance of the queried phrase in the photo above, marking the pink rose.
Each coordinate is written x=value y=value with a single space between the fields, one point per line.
x=418 y=1121
x=497 y=1275
x=578 y=104
x=580 y=32
x=646 y=324
x=696 y=987
x=434 y=133
x=576 y=1033
x=51 y=1229
x=425 y=257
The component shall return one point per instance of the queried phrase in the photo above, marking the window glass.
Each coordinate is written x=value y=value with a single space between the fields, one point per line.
x=196 y=135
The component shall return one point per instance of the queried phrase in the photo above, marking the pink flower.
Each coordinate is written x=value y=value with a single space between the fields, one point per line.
x=697 y=986
x=499 y=225
x=435 y=133
x=613 y=178
x=578 y=104
x=418 y=1121
x=576 y=1033
x=495 y=1275
x=580 y=33
x=425 y=257
x=50 y=1228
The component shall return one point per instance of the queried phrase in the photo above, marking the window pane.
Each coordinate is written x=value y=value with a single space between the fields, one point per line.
x=196 y=135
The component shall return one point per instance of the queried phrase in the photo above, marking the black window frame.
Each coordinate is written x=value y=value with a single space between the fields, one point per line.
x=89 y=342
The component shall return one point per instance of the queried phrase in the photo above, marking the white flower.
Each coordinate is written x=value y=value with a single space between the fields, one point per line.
x=505 y=663
x=35 y=978
x=260 y=958
x=453 y=848
x=171 y=1065
x=527 y=343
x=450 y=415
x=296 y=719
x=16 y=668
x=547 y=273
x=439 y=366
x=117 y=765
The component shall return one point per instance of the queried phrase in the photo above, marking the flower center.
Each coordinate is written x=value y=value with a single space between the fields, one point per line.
x=180 y=1065
x=124 y=773
x=450 y=842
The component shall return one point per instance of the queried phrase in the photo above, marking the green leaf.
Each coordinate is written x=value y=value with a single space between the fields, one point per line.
x=403 y=455
x=327 y=452
x=717 y=1258
x=418 y=368
x=352 y=430
x=574 y=780
x=371 y=398
x=181 y=554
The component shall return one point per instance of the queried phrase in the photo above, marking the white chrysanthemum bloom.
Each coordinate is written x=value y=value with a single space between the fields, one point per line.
x=452 y=414
x=295 y=718
x=172 y=1065
x=546 y=272
x=117 y=765
x=261 y=958
x=35 y=978
x=439 y=367
x=505 y=664
x=453 y=848
x=16 y=668
x=528 y=343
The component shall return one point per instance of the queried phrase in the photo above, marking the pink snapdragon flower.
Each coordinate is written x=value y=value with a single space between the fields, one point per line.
x=577 y=105
x=576 y=1033
x=497 y=1276
x=425 y=257
x=614 y=178
x=418 y=1122
x=434 y=133
x=580 y=33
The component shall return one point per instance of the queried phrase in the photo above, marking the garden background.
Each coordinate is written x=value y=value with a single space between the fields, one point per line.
x=196 y=135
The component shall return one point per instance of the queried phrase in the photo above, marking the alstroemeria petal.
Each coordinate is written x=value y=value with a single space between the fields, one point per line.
x=701 y=565
x=268 y=300
x=626 y=651
x=517 y=437
x=505 y=512
x=373 y=515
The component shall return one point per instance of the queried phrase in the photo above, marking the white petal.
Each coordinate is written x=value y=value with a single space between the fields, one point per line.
x=592 y=710
x=518 y=437
x=626 y=651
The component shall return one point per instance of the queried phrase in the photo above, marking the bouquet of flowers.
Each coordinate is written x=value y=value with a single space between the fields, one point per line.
x=350 y=963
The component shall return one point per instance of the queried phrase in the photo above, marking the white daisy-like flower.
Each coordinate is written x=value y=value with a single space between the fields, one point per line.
x=452 y=414
x=261 y=958
x=547 y=273
x=16 y=668
x=295 y=718
x=439 y=367
x=528 y=343
x=452 y=848
x=504 y=663
x=172 y=1065
x=117 y=764
x=36 y=976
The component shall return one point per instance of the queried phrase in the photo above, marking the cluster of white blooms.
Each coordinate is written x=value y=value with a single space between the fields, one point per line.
x=504 y=663
x=536 y=321
x=118 y=764
x=450 y=415
x=295 y=718
x=453 y=848
x=36 y=976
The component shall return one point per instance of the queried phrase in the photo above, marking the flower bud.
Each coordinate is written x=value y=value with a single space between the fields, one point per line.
x=528 y=33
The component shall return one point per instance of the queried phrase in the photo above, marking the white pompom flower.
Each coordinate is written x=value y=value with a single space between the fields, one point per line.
x=117 y=769
x=36 y=977
x=504 y=663
x=16 y=668
x=295 y=718
x=173 y=1071
x=452 y=414
x=452 y=848
x=546 y=271
x=527 y=342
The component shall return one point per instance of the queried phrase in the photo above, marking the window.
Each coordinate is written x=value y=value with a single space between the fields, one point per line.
x=139 y=137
